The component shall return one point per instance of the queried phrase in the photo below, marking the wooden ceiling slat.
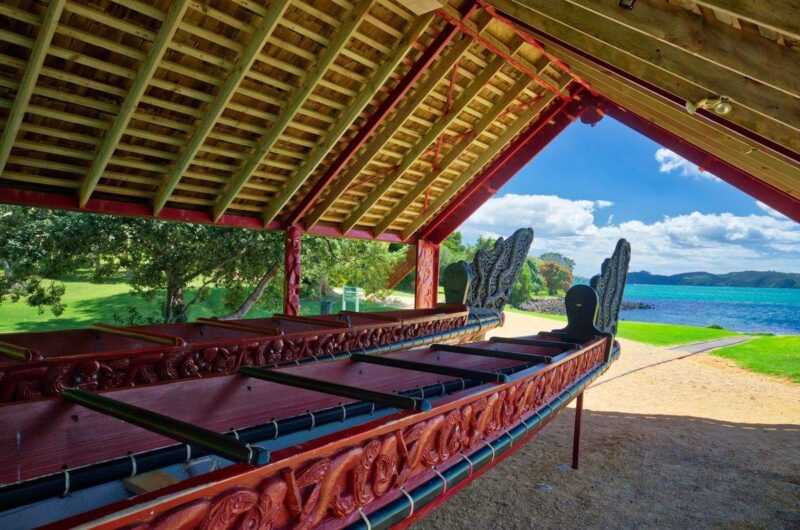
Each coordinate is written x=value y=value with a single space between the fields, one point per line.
x=345 y=121
x=432 y=78
x=456 y=151
x=427 y=140
x=220 y=102
x=308 y=85
x=776 y=15
x=525 y=117
x=29 y=78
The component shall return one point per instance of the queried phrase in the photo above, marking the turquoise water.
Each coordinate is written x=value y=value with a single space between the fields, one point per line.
x=746 y=309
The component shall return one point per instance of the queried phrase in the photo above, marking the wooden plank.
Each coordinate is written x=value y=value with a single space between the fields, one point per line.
x=723 y=46
x=352 y=112
x=132 y=99
x=257 y=42
x=422 y=145
x=434 y=76
x=515 y=128
x=453 y=154
x=315 y=75
x=776 y=15
x=29 y=77
x=678 y=73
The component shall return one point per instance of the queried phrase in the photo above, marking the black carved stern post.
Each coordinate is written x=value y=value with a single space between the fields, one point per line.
x=486 y=285
x=610 y=286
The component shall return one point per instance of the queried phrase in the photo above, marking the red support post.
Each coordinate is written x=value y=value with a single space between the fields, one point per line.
x=291 y=271
x=521 y=151
x=775 y=198
x=426 y=288
x=386 y=107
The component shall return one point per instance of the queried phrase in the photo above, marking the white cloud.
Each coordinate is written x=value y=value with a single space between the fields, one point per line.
x=711 y=242
x=669 y=162
x=772 y=212
x=603 y=204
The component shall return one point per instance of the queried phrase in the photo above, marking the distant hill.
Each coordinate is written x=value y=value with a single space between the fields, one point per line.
x=786 y=280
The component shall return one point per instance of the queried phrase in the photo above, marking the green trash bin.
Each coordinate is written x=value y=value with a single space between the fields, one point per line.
x=326 y=307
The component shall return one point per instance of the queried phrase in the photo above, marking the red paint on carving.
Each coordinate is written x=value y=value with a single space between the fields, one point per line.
x=427 y=281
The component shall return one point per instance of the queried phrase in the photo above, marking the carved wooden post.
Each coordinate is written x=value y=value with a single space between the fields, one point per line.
x=291 y=262
x=427 y=284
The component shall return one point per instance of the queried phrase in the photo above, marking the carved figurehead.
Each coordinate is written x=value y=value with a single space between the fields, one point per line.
x=486 y=284
x=610 y=286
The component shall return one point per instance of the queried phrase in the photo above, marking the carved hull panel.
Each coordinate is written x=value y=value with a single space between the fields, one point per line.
x=96 y=359
x=340 y=479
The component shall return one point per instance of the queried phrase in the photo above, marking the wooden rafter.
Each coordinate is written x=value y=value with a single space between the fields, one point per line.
x=669 y=68
x=439 y=128
x=518 y=125
x=128 y=108
x=29 y=77
x=719 y=46
x=434 y=76
x=456 y=151
x=315 y=75
x=775 y=15
x=347 y=118
x=249 y=55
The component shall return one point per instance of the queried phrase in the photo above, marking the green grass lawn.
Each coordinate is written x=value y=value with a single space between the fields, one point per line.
x=88 y=303
x=652 y=333
x=767 y=355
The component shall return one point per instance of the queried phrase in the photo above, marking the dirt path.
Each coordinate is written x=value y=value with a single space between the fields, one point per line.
x=671 y=440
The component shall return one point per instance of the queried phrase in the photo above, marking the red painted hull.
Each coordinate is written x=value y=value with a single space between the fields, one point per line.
x=335 y=480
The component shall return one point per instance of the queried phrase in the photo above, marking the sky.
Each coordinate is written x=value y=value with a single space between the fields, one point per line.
x=593 y=185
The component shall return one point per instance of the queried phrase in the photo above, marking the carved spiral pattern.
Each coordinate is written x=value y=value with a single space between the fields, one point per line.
x=324 y=490
x=50 y=377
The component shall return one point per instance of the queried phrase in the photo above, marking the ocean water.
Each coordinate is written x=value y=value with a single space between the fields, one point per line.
x=746 y=309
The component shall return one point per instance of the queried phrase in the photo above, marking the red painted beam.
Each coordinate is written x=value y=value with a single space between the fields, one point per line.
x=426 y=287
x=386 y=107
x=521 y=151
x=775 y=198
x=59 y=201
x=291 y=271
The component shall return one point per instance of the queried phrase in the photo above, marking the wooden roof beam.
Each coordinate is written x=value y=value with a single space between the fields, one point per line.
x=776 y=15
x=134 y=95
x=536 y=136
x=346 y=31
x=496 y=147
x=425 y=142
x=344 y=121
x=235 y=77
x=29 y=77
x=721 y=46
x=389 y=103
x=456 y=151
x=432 y=78
x=664 y=66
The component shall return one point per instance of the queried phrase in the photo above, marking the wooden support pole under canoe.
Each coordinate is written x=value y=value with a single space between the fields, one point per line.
x=576 y=436
x=287 y=114
x=492 y=177
x=29 y=78
x=341 y=125
x=214 y=111
x=439 y=127
x=291 y=271
x=426 y=287
x=134 y=95
x=391 y=101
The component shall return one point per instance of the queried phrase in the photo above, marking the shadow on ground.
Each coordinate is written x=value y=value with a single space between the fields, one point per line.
x=638 y=471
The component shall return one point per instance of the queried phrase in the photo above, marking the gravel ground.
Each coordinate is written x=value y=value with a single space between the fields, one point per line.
x=670 y=440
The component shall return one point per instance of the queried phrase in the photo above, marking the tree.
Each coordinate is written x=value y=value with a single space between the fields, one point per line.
x=557 y=276
x=524 y=289
x=559 y=258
